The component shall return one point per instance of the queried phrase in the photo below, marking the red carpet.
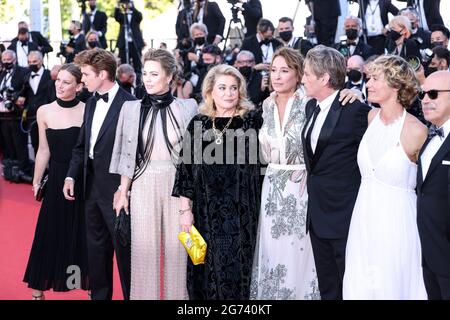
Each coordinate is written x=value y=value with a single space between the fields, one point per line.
x=18 y=217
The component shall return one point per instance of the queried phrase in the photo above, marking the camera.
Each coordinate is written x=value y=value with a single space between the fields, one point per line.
x=62 y=48
x=427 y=56
x=343 y=47
x=414 y=62
x=7 y=96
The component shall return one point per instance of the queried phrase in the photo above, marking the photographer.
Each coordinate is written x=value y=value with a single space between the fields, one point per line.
x=21 y=46
x=17 y=165
x=286 y=30
x=209 y=14
x=429 y=9
x=37 y=38
x=184 y=22
x=354 y=45
x=130 y=35
x=76 y=44
x=92 y=40
x=96 y=20
x=252 y=12
x=439 y=35
x=440 y=60
x=422 y=36
x=399 y=36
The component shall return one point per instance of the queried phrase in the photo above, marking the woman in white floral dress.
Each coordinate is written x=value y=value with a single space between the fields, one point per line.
x=284 y=265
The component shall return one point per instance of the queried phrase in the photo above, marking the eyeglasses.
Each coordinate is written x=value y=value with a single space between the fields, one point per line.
x=433 y=94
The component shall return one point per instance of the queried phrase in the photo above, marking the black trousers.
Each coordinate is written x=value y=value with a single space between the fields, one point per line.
x=329 y=255
x=326 y=31
x=34 y=135
x=438 y=288
x=135 y=59
x=101 y=243
x=15 y=143
x=378 y=43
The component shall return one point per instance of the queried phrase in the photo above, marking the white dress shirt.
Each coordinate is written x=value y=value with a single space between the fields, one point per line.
x=34 y=81
x=373 y=19
x=432 y=148
x=91 y=18
x=325 y=106
x=22 y=54
x=101 y=109
x=266 y=50
x=423 y=18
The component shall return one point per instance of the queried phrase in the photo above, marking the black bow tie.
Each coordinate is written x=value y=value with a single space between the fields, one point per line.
x=435 y=131
x=265 y=42
x=34 y=75
x=99 y=96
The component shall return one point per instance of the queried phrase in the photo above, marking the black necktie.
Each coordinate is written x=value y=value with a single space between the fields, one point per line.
x=435 y=131
x=34 y=75
x=310 y=129
x=99 y=96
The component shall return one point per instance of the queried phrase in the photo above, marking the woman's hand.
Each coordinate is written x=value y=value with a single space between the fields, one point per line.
x=121 y=202
x=350 y=95
x=186 y=220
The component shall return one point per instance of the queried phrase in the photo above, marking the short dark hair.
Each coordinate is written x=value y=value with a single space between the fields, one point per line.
x=98 y=59
x=441 y=28
x=73 y=70
x=286 y=19
x=212 y=49
x=264 y=25
x=442 y=53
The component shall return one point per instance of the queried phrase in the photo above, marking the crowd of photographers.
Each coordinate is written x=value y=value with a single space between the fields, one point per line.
x=415 y=33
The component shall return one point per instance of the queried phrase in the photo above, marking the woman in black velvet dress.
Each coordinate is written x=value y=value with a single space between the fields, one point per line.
x=219 y=186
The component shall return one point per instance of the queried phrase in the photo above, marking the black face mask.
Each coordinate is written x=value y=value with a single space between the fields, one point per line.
x=71 y=32
x=246 y=71
x=93 y=44
x=437 y=44
x=199 y=41
x=33 y=67
x=92 y=6
x=286 y=35
x=352 y=34
x=430 y=70
x=354 y=76
x=8 y=65
x=394 y=35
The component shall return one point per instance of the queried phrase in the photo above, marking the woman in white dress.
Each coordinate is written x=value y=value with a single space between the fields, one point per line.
x=284 y=265
x=383 y=258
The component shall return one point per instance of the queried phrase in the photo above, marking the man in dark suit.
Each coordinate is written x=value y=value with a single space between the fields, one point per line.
x=422 y=36
x=376 y=18
x=22 y=46
x=77 y=41
x=286 y=33
x=429 y=9
x=433 y=187
x=262 y=45
x=252 y=12
x=325 y=13
x=130 y=19
x=354 y=42
x=209 y=14
x=15 y=140
x=36 y=37
x=96 y=20
x=90 y=166
x=331 y=140
x=39 y=90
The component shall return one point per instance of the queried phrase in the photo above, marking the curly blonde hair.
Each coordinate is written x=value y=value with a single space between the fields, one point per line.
x=399 y=75
x=208 y=106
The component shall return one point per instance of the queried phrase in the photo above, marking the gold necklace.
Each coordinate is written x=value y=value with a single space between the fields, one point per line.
x=220 y=134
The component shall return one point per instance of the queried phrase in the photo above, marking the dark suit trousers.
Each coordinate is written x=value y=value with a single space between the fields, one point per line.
x=378 y=43
x=135 y=59
x=326 y=31
x=16 y=143
x=438 y=288
x=100 y=218
x=329 y=255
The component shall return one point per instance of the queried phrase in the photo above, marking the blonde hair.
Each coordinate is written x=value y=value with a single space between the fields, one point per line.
x=208 y=106
x=402 y=22
x=399 y=75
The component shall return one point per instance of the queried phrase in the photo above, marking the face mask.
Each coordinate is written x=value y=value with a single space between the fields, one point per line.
x=430 y=70
x=71 y=32
x=199 y=41
x=352 y=34
x=286 y=35
x=8 y=65
x=394 y=35
x=246 y=71
x=437 y=44
x=93 y=44
x=33 y=67
x=354 y=76
x=92 y=6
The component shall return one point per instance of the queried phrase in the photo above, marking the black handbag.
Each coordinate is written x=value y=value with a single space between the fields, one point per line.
x=42 y=187
x=122 y=230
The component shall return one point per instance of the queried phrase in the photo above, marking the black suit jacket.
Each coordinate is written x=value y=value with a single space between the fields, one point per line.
x=18 y=80
x=105 y=181
x=40 y=40
x=324 y=9
x=386 y=6
x=423 y=38
x=433 y=211
x=252 y=44
x=431 y=10
x=99 y=24
x=362 y=49
x=333 y=173
x=32 y=46
x=214 y=21
x=45 y=93
x=252 y=14
x=136 y=18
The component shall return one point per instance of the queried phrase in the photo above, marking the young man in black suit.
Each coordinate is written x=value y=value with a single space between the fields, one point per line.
x=331 y=138
x=96 y=20
x=433 y=187
x=90 y=160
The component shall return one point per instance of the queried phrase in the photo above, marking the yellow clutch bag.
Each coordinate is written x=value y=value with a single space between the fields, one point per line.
x=195 y=245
